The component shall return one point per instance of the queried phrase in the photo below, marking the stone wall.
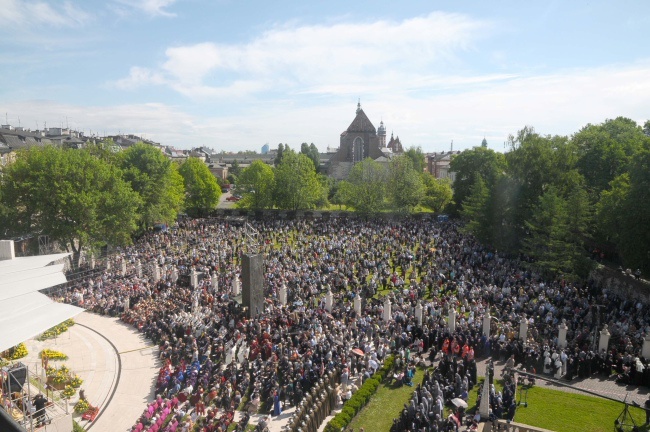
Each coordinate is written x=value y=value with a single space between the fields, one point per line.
x=626 y=286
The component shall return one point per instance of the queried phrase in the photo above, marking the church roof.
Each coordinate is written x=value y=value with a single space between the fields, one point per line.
x=361 y=123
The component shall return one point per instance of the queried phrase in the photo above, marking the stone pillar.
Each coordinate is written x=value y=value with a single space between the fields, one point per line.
x=215 y=281
x=92 y=262
x=357 y=304
x=123 y=269
x=174 y=275
x=418 y=313
x=156 y=272
x=487 y=321
x=329 y=300
x=561 y=335
x=108 y=263
x=523 y=328
x=604 y=339
x=484 y=408
x=194 y=278
x=387 y=309
x=236 y=287
x=127 y=303
x=645 y=351
x=283 y=295
x=451 y=323
x=7 y=250
x=138 y=268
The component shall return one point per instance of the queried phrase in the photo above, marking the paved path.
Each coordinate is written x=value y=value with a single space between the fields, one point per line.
x=115 y=361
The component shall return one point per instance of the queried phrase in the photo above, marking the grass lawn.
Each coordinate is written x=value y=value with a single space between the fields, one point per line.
x=566 y=412
x=384 y=406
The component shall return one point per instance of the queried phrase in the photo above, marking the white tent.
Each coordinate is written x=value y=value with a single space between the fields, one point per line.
x=25 y=312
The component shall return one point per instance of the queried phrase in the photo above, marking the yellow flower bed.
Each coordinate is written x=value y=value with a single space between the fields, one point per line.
x=52 y=354
x=56 y=330
x=18 y=352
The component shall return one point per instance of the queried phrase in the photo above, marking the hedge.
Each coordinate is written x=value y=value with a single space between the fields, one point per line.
x=360 y=398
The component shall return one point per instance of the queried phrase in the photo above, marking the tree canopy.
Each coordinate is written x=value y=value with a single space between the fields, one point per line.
x=256 y=185
x=365 y=188
x=296 y=183
x=202 y=191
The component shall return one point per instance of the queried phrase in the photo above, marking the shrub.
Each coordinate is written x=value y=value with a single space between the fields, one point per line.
x=81 y=406
x=18 y=352
x=52 y=354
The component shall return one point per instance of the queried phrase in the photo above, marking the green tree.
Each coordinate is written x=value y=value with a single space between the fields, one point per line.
x=634 y=241
x=296 y=183
x=606 y=150
x=256 y=185
x=417 y=157
x=610 y=209
x=70 y=195
x=365 y=188
x=438 y=193
x=475 y=210
x=480 y=160
x=405 y=186
x=279 y=155
x=646 y=128
x=312 y=153
x=156 y=179
x=202 y=191
x=235 y=169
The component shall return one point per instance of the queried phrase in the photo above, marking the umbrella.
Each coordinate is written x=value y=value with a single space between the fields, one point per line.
x=357 y=351
x=459 y=403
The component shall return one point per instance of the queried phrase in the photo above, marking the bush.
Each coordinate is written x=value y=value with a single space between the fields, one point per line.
x=68 y=392
x=76 y=381
x=52 y=354
x=18 y=352
x=81 y=406
x=360 y=398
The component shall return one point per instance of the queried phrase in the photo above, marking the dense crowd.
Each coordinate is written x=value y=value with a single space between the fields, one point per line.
x=215 y=359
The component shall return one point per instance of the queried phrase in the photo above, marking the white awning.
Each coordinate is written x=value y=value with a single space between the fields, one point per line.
x=24 y=311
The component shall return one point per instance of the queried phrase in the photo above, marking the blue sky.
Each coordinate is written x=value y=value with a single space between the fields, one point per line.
x=234 y=75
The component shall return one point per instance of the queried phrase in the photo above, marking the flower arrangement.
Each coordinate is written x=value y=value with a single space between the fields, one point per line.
x=52 y=355
x=3 y=362
x=56 y=330
x=68 y=392
x=81 y=406
x=76 y=381
x=59 y=375
x=18 y=352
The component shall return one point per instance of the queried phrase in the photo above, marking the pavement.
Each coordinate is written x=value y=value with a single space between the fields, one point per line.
x=119 y=368
x=117 y=364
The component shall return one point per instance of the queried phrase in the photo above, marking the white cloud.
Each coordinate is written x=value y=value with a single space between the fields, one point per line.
x=150 y=7
x=14 y=13
x=317 y=58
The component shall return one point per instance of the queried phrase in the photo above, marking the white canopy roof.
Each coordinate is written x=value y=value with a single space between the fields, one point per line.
x=25 y=312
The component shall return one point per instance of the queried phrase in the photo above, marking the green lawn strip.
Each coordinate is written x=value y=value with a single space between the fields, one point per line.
x=564 y=412
x=385 y=405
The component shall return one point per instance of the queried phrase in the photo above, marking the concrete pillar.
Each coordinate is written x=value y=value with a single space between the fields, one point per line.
x=487 y=321
x=484 y=408
x=92 y=262
x=523 y=328
x=329 y=300
x=604 y=339
x=108 y=263
x=561 y=335
x=156 y=272
x=215 y=281
x=451 y=323
x=387 y=309
x=138 y=268
x=174 y=274
x=357 y=304
x=418 y=313
x=7 y=251
x=236 y=287
x=645 y=351
x=194 y=278
x=283 y=295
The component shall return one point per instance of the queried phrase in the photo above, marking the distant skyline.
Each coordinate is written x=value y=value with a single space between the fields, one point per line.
x=234 y=75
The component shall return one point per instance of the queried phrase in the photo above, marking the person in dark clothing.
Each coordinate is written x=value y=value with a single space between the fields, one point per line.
x=39 y=403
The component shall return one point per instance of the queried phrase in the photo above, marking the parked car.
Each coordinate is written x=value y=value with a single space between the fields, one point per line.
x=233 y=198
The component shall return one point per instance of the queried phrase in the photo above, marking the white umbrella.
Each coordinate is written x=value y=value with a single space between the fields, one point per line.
x=459 y=403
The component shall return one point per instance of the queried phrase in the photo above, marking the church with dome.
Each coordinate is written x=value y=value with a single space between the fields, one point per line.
x=360 y=141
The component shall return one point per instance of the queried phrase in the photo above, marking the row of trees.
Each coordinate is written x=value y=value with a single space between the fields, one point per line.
x=87 y=198
x=372 y=187
x=558 y=198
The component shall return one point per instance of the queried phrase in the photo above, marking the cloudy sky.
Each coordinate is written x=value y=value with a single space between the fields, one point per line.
x=235 y=74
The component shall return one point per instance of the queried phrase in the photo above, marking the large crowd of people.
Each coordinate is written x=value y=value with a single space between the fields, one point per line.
x=215 y=359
